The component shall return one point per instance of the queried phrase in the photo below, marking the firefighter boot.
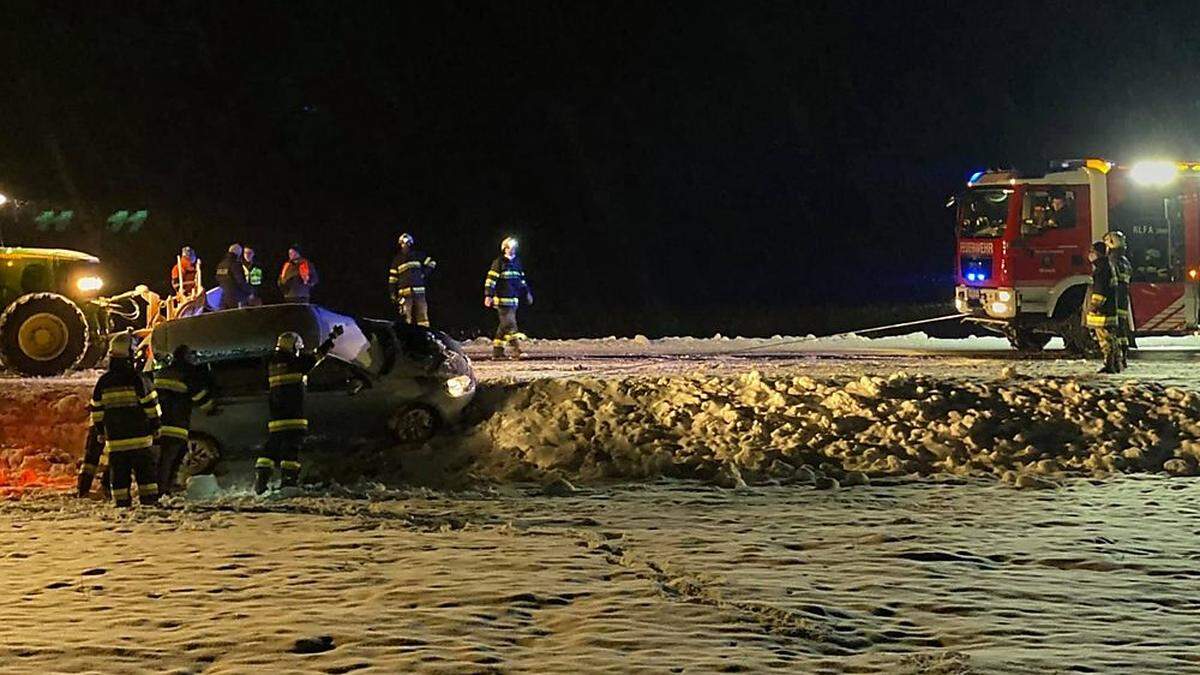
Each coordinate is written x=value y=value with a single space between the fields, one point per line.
x=289 y=474
x=497 y=351
x=517 y=354
x=263 y=468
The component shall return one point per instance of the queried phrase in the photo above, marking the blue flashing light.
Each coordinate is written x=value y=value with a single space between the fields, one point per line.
x=976 y=176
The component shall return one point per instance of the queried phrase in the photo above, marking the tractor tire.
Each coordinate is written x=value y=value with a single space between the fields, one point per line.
x=1026 y=340
x=414 y=423
x=96 y=351
x=43 y=334
x=1077 y=337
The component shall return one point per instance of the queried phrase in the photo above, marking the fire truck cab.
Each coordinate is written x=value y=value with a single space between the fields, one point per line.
x=1022 y=264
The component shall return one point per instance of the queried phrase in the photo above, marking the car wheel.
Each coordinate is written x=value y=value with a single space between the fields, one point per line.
x=43 y=334
x=413 y=424
x=203 y=454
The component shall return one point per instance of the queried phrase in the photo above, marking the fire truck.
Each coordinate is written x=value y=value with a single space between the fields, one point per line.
x=1022 y=266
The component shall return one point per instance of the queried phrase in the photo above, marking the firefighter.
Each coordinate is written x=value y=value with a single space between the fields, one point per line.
x=297 y=277
x=232 y=280
x=253 y=275
x=504 y=289
x=406 y=282
x=287 y=428
x=1102 y=310
x=1122 y=271
x=125 y=407
x=182 y=385
x=1061 y=214
x=94 y=461
x=184 y=272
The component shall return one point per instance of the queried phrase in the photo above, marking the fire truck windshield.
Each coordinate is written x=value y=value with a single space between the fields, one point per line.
x=984 y=213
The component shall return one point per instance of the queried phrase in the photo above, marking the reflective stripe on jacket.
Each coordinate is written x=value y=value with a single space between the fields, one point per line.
x=126 y=406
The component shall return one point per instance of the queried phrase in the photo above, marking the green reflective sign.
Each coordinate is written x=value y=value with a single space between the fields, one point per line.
x=53 y=220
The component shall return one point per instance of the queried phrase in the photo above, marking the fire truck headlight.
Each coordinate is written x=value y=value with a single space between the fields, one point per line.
x=1000 y=307
x=89 y=284
x=1154 y=172
x=1004 y=296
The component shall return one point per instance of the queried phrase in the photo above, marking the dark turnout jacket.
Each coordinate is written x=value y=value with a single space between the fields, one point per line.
x=286 y=375
x=125 y=405
x=408 y=273
x=182 y=387
x=506 y=282
x=231 y=277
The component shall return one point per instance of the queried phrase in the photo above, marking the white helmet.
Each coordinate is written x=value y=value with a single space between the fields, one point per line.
x=1114 y=240
x=406 y=239
x=121 y=346
x=290 y=342
x=509 y=241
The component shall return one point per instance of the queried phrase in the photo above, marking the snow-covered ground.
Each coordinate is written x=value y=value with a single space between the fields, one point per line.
x=814 y=506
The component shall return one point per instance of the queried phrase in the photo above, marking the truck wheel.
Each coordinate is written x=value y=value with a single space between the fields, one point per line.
x=43 y=334
x=1078 y=337
x=1025 y=340
x=203 y=454
x=413 y=424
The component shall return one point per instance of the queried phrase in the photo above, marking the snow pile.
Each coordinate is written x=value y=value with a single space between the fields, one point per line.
x=754 y=429
x=42 y=432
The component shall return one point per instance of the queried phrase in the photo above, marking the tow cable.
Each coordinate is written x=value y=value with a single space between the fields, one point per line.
x=774 y=345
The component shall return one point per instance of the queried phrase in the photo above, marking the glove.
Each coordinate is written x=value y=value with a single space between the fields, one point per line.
x=529 y=298
x=337 y=332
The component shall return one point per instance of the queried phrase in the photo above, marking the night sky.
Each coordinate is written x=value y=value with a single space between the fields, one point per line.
x=669 y=167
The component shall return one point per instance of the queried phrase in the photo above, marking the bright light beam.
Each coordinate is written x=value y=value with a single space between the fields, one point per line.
x=1154 y=172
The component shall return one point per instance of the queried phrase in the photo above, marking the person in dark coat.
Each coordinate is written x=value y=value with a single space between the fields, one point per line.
x=235 y=292
x=298 y=277
x=287 y=370
x=504 y=289
x=406 y=281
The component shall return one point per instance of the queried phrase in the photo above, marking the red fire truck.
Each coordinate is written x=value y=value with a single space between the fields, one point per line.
x=1023 y=240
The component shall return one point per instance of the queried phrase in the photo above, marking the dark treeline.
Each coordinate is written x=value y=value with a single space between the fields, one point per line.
x=661 y=162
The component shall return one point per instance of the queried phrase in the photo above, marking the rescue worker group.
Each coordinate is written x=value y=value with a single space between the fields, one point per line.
x=140 y=427
x=1109 y=312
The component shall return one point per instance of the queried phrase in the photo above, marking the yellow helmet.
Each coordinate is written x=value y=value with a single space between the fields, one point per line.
x=1114 y=240
x=121 y=346
x=290 y=342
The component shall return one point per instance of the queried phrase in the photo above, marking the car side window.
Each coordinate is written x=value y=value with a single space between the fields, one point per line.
x=330 y=374
x=1046 y=210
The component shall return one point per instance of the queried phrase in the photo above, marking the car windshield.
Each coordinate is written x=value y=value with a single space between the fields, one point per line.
x=984 y=213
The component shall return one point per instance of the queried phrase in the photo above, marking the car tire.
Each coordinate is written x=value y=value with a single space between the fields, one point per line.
x=203 y=454
x=414 y=423
x=43 y=334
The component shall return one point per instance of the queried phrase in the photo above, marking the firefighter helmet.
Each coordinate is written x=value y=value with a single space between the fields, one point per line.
x=183 y=354
x=1114 y=240
x=509 y=241
x=405 y=239
x=290 y=342
x=121 y=346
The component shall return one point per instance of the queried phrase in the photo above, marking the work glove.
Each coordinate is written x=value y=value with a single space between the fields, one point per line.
x=337 y=332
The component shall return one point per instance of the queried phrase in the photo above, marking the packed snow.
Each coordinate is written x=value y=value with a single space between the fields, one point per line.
x=673 y=505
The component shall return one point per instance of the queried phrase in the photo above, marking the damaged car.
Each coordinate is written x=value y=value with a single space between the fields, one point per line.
x=382 y=378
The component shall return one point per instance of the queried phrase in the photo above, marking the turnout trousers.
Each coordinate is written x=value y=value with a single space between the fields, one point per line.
x=507 y=332
x=282 y=448
x=1111 y=347
x=125 y=466
x=414 y=310
x=172 y=452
